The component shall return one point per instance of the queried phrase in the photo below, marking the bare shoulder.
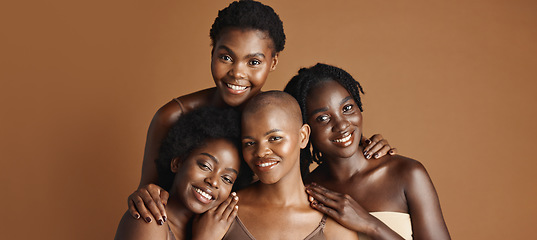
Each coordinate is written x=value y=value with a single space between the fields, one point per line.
x=171 y=111
x=130 y=228
x=196 y=99
x=405 y=167
x=334 y=230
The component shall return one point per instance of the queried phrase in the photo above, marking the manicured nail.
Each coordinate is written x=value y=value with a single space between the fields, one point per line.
x=365 y=153
x=233 y=194
x=391 y=152
x=137 y=216
x=367 y=141
x=376 y=155
x=310 y=198
x=165 y=218
x=160 y=222
x=368 y=156
x=148 y=219
x=236 y=198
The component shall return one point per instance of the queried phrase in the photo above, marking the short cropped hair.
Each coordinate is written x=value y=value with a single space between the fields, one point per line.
x=247 y=14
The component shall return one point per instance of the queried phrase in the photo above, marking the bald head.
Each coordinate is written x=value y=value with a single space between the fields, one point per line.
x=268 y=101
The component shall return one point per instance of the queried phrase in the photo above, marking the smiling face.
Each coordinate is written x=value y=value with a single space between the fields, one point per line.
x=241 y=61
x=335 y=120
x=272 y=139
x=205 y=178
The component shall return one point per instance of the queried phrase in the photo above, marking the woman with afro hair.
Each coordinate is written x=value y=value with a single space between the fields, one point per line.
x=199 y=163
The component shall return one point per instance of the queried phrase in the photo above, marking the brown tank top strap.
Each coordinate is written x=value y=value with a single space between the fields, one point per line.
x=180 y=104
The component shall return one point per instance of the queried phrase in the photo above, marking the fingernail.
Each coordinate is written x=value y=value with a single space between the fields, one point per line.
x=368 y=156
x=235 y=198
x=376 y=155
x=165 y=218
x=160 y=222
x=310 y=198
x=391 y=152
x=365 y=153
x=308 y=191
x=137 y=216
x=367 y=141
x=233 y=194
x=148 y=219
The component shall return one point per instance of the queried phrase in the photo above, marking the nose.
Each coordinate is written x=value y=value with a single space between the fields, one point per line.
x=341 y=124
x=238 y=71
x=212 y=180
x=262 y=150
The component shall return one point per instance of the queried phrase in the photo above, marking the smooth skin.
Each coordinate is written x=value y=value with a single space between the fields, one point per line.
x=211 y=169
x=352 y=186
x=242 y=58
x=272 y=139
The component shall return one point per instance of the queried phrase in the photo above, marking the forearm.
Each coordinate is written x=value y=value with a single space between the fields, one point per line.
x=377 y=230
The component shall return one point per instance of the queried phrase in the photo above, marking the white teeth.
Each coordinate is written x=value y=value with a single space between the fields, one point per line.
x=267 y=164
x=204 y=194
x=347 y=138
x=236 y=87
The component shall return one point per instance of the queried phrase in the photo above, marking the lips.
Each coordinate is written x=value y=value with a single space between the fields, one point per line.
x=203 y=195
x=266 y=165
x=235 y=89
x=344 y=140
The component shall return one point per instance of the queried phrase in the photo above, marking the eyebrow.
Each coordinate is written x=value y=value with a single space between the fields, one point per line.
x=267 y=133
x=251 y=55
x=216 y=160
x=345 y=100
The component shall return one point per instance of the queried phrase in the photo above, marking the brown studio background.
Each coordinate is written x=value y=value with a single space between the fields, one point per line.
x=450 y=83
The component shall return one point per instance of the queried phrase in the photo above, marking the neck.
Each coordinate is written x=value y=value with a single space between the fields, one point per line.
x=178 y=216
x=342 y=169
x=288 y=191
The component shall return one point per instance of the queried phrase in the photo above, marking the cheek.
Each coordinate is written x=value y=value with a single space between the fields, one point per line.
x=259 y=77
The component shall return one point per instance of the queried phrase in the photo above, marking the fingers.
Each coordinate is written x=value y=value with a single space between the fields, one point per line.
x=323 y=195
x=381 y=152
x=324 y=209
x=225 y=208
x=148 y=203
x=393 y=151
x=132 y=209
x=140 y=205
x=232 y=209
x=377 y=147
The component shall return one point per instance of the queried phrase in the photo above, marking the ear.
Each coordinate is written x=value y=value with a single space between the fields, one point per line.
x=305 y=131
x=175 y=164
x=274 y=62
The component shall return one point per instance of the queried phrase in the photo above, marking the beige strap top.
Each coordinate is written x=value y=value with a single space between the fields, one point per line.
x=398 y=222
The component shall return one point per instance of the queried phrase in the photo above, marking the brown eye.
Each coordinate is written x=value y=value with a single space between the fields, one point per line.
x=322 y=118
x=226 y=58
x=255 y=62
x=275 y=138
x=227 y=180
x=204 y=166
x=347 y=108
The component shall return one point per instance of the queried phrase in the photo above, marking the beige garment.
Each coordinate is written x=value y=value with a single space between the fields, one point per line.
x=398 y=222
